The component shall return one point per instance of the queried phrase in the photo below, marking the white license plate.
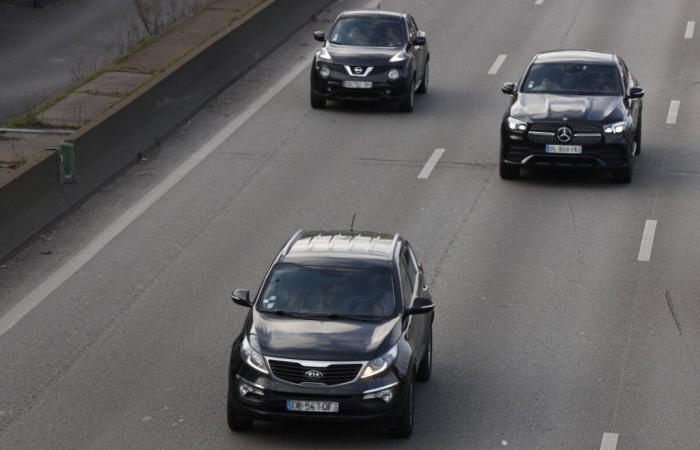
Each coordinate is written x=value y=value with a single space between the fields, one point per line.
x=312 y=406
x=565 y=149
x=357 y=84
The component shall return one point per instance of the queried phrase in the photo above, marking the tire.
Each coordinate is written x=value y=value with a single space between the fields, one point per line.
x=423 y=89
x=624 y=175
x=317 y=101
x=403 y=427
x=508 y=171
x=406 y=103
x=236 y=422
x=425 y=367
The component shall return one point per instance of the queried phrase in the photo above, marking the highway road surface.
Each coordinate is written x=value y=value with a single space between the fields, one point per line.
x=568 y=306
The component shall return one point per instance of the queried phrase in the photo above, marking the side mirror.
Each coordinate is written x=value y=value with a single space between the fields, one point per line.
x=420 y=305
x=320 y=36
x=508 y=88
x=241 y=297
x=636 y=92
x=419 y=39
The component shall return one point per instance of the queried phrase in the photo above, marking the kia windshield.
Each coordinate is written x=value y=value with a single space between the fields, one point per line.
x=329 y=292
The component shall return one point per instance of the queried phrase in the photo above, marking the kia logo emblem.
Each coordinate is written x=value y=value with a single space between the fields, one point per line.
x=564 y=134
x=359 y=69
x=314 y=375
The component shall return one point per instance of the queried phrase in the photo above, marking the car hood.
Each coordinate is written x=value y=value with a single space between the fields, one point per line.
x=537 y=107
x=367 y=56
x=323 y=340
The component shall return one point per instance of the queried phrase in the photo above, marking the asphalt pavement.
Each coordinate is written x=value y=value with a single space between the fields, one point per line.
x=562 y=321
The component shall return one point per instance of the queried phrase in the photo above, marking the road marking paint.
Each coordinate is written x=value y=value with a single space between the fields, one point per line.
x=690 y=29
x=609 y=441
x=673 y=112
x=56 y=279
x=539 y=2
x=647 y=241
x=497 y=64
x=430 y=165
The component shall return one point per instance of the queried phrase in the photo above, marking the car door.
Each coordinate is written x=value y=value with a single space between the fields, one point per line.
x=415 y=325
x=418 y=51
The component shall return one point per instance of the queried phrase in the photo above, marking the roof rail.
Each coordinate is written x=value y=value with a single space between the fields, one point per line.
x=291 y=241
x=394 y=243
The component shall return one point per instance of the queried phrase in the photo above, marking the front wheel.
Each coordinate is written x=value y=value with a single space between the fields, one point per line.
x=406 y=103
x=426 y=79
x=403 y=427
x=508 y=171
x=317 y=101
x=236 y=422
x=425 y=368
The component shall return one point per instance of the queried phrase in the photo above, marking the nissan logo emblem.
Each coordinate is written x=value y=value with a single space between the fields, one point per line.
x=313 y=375
x=564 y=134
x=359 y=69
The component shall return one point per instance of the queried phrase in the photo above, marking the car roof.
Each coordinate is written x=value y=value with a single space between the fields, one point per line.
x=372 y=13
x=354 y=245
x=575 y=56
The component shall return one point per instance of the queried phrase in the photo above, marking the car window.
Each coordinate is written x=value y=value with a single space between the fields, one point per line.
x=406 y=285
x=369 y=32
x=625 y=74
x=572 y=79
x=304 y=289
x=412 y=27
x=411 y=268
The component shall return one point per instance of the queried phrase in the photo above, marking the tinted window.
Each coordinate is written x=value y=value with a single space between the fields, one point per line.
x=411 y=269
x=294 y=288
x=406 y=285
x=369 y=31
x=572 y=78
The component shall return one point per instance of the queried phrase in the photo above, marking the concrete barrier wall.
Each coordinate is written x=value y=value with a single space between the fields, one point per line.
x=35 y=199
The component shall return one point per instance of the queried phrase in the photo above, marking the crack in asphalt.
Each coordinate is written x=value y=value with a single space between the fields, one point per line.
x=676 y=320
x=672 y=310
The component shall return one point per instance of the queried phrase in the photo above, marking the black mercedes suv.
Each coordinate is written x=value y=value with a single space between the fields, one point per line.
x=573 y=108
x=339 y=331
x=371 y=55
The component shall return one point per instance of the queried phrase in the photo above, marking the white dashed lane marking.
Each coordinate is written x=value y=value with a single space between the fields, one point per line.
x=430 y=165
x=673 y=112
x=690 y=29
x=609 y=441
x=539 y=2
x=497 y=64
x=647 y=241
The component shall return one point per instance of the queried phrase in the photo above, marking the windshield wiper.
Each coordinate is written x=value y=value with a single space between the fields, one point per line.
x=280 y=312
x=360 y=318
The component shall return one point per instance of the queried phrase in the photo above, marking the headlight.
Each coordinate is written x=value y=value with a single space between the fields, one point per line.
x=400 y=56
x=252 y=356
x=324 y=71
x=394 y=74
x=615 y=128
x=379 y=365
x=323 y=54
x=515 y=124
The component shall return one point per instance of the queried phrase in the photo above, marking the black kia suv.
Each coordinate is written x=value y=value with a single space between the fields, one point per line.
x=339 y=331
x=371 y=55
x=573 y=108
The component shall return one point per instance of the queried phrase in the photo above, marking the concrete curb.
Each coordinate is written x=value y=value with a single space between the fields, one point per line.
x=35 y=199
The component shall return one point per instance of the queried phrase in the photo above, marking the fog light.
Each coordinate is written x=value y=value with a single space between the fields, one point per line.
x=394 y=74
x=245 y=389
x=324 y=71
x=386 y=395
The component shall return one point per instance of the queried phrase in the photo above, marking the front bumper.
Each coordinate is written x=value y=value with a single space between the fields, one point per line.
x=610 y=152
x=272 y=405
x=382 y=88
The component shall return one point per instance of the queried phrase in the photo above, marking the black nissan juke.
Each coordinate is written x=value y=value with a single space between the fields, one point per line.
x=573 y=108
x=371 y=55
x=339 y=331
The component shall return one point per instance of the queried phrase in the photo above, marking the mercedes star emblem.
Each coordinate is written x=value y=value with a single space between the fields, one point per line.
x=564 y=134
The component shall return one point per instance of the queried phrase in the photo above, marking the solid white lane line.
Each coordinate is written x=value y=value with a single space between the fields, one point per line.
x=497 y=64
x=84 y=255
x=647 y=241
x=539 y=2
x=690 y=29
x=609 y=441
x=673 y=112
x=430 y=165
